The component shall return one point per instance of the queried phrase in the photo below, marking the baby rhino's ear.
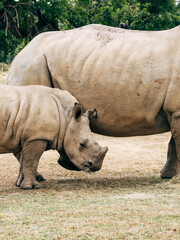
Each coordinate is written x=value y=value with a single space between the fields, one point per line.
x=91 y=113
x=77 y=111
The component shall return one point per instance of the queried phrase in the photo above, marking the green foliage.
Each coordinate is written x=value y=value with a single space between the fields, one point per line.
x=142 y=15
x=26 y=18
x=1 y=5
x=20 y=46
x=21 y=20
x=8 y=45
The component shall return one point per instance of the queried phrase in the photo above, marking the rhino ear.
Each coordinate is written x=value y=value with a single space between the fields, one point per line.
x=77 y=111
x=91 y=113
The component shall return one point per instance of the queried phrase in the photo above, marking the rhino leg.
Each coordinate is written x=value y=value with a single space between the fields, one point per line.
x=39 y=177
x=18 y=156
x=172 y=165
x=31 y=154
x=20 y=175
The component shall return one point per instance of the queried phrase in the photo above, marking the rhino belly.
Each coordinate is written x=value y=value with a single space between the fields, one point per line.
x=125 y=127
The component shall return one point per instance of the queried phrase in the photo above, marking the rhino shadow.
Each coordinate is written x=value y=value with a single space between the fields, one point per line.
x=91 y=183
x=102 y=183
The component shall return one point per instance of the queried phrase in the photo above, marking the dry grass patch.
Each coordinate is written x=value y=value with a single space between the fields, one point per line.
x=125 y=200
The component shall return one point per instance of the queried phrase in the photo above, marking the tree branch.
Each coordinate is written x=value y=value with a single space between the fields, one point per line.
x=9 y=17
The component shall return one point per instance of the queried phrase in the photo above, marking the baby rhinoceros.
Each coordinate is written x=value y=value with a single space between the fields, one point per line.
x=37 y=118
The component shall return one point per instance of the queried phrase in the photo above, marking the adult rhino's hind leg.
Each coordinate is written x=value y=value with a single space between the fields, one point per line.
x=172 y=165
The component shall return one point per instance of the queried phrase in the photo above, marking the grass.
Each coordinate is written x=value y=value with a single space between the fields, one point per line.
x=129 y=201
x=126 y=199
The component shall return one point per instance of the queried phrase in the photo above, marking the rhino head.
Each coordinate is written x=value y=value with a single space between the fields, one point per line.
x=80 y=150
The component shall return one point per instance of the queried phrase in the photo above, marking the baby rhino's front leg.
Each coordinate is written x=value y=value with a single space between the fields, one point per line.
x=29 y=160
x=19 y=179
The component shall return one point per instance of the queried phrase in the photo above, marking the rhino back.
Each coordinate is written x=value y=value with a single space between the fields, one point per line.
x=9 y=106
x=123 y=74
x=27 y=113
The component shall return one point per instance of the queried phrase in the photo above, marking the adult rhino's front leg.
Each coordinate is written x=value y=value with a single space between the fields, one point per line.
x=31 y=154
x=172 y=166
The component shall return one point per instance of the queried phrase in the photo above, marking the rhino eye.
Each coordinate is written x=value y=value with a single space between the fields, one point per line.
x=82 y=145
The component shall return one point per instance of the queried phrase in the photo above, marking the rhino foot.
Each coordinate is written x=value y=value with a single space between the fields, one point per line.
x=168 y=173
x=172 y=166
x=28 y=186
x=40 y=177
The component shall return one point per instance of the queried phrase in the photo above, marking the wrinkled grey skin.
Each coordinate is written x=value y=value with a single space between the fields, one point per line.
x=131 y=77
x=37 y=118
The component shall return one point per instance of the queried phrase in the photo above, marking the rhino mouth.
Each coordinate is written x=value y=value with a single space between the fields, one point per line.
x=65 y=162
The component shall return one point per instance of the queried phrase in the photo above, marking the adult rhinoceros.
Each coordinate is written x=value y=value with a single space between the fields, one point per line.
x=132 y=78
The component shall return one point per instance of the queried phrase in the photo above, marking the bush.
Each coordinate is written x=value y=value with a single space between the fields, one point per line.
x=28 y=18
x=8 y=46
x=3 y=67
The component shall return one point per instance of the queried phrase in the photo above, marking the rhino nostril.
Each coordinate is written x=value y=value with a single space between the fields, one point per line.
x=90 y=163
